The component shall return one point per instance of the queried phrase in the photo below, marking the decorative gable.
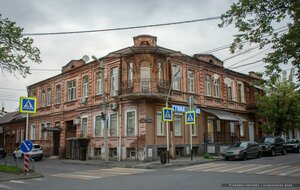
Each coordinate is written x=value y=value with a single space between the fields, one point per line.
x=72 y=65
x=209 y=59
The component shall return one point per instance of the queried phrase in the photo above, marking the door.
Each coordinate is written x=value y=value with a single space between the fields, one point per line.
x=56 y=143
x=251 y=131
x=210 y=130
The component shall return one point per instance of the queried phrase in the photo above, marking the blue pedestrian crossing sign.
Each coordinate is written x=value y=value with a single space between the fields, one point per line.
x=167 y=114
x=27 y=105
x=190 y=117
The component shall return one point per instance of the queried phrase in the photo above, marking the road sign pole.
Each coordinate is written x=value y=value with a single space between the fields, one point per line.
x=26 y=163
x=191 y=125
x=26 y=130
x=168 y=145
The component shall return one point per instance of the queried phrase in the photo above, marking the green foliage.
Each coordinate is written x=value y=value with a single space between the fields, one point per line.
x=9 y=169
x=16 y=50
x=206 y=156
x=255 y=19
x=280 y=106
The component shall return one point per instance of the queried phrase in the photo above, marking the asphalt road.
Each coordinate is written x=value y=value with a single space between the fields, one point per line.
x=269 y=171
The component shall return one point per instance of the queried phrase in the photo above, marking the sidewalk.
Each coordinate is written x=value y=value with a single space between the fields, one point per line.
x=178 y=162
x=13 y=176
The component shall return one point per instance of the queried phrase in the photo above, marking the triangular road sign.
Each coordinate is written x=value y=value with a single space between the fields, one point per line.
x=28 y=106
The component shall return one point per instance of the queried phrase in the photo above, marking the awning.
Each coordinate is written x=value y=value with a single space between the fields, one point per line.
x=224 y=115
x=52 y=129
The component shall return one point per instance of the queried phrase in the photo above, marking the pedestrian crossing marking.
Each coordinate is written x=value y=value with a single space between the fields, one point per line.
x=101 y=173
x=279 y=170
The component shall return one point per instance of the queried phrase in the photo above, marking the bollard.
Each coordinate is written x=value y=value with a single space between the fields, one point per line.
x=26 y=163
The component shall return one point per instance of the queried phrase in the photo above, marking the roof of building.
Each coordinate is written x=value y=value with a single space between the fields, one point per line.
x=11 y=117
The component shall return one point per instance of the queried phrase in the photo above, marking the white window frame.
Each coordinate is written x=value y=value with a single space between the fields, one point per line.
x=58 y=94
x=135 y=122
x=85 y=86
x=99 y=83
x=49 y=96
x=207 y=85
x=194 y=129
x=160 y=71
x=43 y=99
x=191 y=81
x=109 y=123
x=130 y=72
x=241 y=95
x=217 y=87
x=32 y=131
x=180 y=127
x=114 y=79
x=176 y=79
x=161 y=127
x=101 y=125
x=82 y=132
x=42 y=125
x=71 y=90
x=242 y=129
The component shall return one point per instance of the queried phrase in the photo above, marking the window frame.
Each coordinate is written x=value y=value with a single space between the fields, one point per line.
x=32 y=131
x=85 y=86
x=114 y=79
x=191 y=81
x=101 y=125
x=82 y=132
x=43 y=98
x=135 y=122
x=58 y=94
x=207 y=85
x=175 y=126
x=71 y=85
x=109 y=128
x=217 y=87
x=49 y=97
x=162 y=127
x=176 y=84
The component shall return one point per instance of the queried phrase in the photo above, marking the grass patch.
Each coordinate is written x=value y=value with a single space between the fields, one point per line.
x=9 y=169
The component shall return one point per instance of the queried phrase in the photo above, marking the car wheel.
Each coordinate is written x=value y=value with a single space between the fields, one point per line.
x=226 y=158
x=258 y=155
x=41 y=158
x=244 y=156
x=284 y=151
x=298 y=150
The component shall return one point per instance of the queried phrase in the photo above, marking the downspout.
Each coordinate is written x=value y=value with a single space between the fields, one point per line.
x=120 y=110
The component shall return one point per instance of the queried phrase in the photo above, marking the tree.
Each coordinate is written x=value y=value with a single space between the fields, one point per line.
x=16 y=50
x=280 y=106
x=255 y=20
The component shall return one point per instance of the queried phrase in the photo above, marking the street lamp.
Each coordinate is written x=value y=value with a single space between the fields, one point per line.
x=103 y=114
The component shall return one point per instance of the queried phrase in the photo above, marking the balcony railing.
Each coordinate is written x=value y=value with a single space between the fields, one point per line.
x=145 y=86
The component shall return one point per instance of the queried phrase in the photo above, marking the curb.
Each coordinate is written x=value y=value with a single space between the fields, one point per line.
x=22 y=176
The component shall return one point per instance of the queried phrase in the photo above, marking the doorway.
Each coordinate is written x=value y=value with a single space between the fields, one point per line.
x=56 y=142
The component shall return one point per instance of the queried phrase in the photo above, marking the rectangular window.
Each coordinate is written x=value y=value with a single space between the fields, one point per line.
x=241 y=93
x=58 y=95
x=98 y=126
x=130 y=123
x=176 y=77
x=160 y=130
x=32 y=132
x=85 y=86
x=191 y=81
x=160 y=71
x=41 y=130
x=71 y=90
x=114 y=81
x=113 y=129
x=207 y=85
x=43 y=101
x=194 y=130
x=217 y=87
x=130 y=74
x=210 y=130
x=99 y=84
x=84 y=126
x=48 y=97
x=230 y=94
x=242 y=133
x=177 y=124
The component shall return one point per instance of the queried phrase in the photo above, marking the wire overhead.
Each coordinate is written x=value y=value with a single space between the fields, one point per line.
x=122 y=28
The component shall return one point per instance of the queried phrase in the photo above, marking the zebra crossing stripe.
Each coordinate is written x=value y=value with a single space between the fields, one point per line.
x=289 y=172
x=235 y=168
x=255 y=168
x=197 y=166
x=204 y=167
x=271 y=170
x=217 y=168
x=4 y=186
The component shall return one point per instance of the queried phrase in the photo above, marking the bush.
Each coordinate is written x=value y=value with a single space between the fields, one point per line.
x=206 y=156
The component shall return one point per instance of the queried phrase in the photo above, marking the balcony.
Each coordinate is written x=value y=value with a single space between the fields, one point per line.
x=145 y=88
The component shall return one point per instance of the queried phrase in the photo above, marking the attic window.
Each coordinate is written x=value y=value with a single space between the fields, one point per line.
x=211 y=61
x=145 y=43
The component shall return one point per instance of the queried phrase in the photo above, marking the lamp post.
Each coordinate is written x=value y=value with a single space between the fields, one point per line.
x=103 y=114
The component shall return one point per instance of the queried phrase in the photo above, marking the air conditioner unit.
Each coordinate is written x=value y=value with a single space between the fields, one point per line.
x=83 y=100
x=114 y=93
x=113 y=106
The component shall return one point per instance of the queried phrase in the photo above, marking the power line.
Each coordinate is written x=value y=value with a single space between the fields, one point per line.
x=246 y=64
x=121 y=28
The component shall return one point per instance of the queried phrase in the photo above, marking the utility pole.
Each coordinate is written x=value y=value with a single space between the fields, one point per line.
x=104 y=113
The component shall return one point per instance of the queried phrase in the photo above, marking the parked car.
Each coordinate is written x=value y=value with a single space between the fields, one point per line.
x=36 y=152
x=2 y=153
x=293 y=145
x=242 y=150
x=272 y=145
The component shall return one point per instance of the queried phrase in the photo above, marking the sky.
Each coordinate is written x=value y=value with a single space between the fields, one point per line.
x=37 y=16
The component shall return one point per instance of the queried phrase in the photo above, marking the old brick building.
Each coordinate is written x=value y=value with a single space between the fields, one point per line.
x=137 y=82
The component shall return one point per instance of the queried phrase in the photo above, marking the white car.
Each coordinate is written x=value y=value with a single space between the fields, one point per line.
x=36 y=152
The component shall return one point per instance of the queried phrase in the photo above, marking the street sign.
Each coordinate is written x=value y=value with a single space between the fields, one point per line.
x=27 y=105
x=167 y=114
x=26 y=146
x=190 y=117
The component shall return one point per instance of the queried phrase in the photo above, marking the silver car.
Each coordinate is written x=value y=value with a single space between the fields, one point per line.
x=242 y=150
x=36 y=152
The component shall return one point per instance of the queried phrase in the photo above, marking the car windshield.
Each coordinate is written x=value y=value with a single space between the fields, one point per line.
x=268 y=140
x=36 y=146
x=293 y=141
x=241 y=144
